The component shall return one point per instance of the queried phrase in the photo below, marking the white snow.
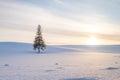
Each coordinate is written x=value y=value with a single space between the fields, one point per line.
x=18 y=61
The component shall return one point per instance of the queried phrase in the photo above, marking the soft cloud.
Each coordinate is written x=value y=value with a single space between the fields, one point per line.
x=71 y=19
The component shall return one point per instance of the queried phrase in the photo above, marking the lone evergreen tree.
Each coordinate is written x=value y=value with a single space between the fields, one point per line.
x=39 y=43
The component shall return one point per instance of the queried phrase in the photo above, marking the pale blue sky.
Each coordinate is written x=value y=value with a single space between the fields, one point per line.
x=62 y=21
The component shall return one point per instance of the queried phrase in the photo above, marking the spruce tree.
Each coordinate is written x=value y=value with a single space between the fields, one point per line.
x=39 y=43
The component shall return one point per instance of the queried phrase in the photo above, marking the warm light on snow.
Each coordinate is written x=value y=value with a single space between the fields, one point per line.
x=93 y=41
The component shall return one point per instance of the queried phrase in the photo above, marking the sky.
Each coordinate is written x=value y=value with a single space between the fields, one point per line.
x=63 y=22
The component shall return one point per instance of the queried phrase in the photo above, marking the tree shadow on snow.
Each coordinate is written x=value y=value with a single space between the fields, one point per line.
x=79 y=79
x=94 y=48
x=59 y=49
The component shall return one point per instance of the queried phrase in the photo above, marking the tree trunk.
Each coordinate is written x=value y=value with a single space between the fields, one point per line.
x=38 y=50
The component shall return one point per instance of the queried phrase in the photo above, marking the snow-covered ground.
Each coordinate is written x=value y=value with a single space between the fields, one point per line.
x=18 y=61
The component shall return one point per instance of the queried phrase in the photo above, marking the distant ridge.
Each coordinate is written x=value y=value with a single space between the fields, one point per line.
x=20 y=47
x=14 y=43
x=60 y=45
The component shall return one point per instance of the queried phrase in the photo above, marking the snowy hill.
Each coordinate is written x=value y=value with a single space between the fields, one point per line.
x=18 y=61
x=17 y=47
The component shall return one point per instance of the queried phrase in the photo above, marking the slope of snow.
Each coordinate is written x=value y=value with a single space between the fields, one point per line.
x=18 y=61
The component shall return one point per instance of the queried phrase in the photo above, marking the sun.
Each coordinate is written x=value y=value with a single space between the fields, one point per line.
x=93 y=41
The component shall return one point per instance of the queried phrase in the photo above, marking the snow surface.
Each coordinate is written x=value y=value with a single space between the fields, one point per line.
x=18 y=61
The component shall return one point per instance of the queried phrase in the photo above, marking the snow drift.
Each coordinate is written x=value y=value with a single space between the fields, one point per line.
x=18 y=61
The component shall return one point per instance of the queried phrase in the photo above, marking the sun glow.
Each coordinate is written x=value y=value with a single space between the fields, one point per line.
x=93 y=41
